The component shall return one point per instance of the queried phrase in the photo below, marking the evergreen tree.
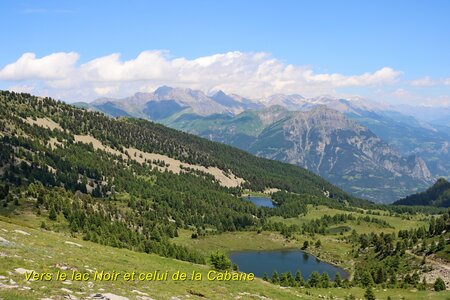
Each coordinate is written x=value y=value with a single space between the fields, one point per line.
x=284 y=280
x=441 y=243
x=220 y=261
x=52 y=214
x=314 y=279
x=369 y=294
x=299 y=279
x=305 y=245
x=325 y=280
x=318 y=244
x=337 y=279
x=439 y=285
x=275 y=278
x=432 y=227
x=366 y=279
x=380 y=275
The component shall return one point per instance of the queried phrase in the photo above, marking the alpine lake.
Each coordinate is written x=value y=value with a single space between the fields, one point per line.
x=285 y=260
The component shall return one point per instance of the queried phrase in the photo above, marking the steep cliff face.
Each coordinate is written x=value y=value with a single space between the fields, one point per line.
x=323 y=140
x=327 y=143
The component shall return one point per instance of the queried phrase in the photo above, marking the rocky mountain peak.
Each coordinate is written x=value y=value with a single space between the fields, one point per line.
x=163 y=90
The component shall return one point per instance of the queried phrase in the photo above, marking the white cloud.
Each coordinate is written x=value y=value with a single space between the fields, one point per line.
x=249 y=74
x=401 y=93
x=427 y=81
x=385 y=75
x=22 y=88
x=424 y=81
x=54 y=66
x=440 y=101
x=103 y=91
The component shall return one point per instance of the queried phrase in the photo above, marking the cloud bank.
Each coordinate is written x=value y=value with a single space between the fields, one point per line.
x=249 y=74
x=429 y=82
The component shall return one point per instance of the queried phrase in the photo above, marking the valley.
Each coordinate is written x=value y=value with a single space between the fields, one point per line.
x=370 y=150
x=43 y=250
x=229 y=150
x=84 y=192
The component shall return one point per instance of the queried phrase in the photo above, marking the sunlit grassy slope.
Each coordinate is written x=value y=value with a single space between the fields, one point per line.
x=43 y=251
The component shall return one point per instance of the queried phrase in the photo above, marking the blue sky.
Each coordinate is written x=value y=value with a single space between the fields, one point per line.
x=346 y=38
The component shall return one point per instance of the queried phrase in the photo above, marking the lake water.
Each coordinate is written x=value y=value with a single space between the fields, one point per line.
x=260 y=201
x=260 y=262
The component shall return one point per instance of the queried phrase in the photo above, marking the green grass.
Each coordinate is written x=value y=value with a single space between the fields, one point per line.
x=333 y=250
x=235 y=241
x=398 y=223
x=444 y=254
x=44 y=251
x=253 y=193
x=395 y=294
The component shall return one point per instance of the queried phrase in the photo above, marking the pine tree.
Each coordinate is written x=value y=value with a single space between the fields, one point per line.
x=381 y=275
x=52 y=214
x=220 y=261
x=432 y=227
x=439 y=285
x=324 y=280
x=363 y=240
x=441 y=243
x=284 y=280
x=369 y=294
x=314 y=279
x=366 y=279
x=299 y=279
x=305 y=245
x=318 y=244
x=275 y=278
x=337 y=280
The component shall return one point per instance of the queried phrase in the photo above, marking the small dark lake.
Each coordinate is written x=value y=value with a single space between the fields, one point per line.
x=260 y=201
x=260 y=262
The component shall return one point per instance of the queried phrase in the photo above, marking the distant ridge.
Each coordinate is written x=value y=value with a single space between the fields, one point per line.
x=437 y=195
x=409 y=155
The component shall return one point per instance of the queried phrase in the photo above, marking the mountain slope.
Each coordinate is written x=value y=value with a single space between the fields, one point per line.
x=131 y=183
x=123 y=134
x=400 y=127
x=162 y=103
x=437 y=195
x=411 y=137
x=418 y=151
x=45 y=251
x=321 y=140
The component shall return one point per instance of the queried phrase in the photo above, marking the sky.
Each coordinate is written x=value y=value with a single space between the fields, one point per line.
x=388 y=51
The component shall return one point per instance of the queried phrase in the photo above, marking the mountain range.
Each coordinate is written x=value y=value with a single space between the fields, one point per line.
x=369 y=149
x=76 y=185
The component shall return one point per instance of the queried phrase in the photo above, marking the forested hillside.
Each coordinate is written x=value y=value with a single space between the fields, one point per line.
x=368 y=149
x=131 y=183
x=87 y=169
x=153 y=138
x=437 y=195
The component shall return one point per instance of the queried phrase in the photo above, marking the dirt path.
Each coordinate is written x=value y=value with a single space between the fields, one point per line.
x=440 y=268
